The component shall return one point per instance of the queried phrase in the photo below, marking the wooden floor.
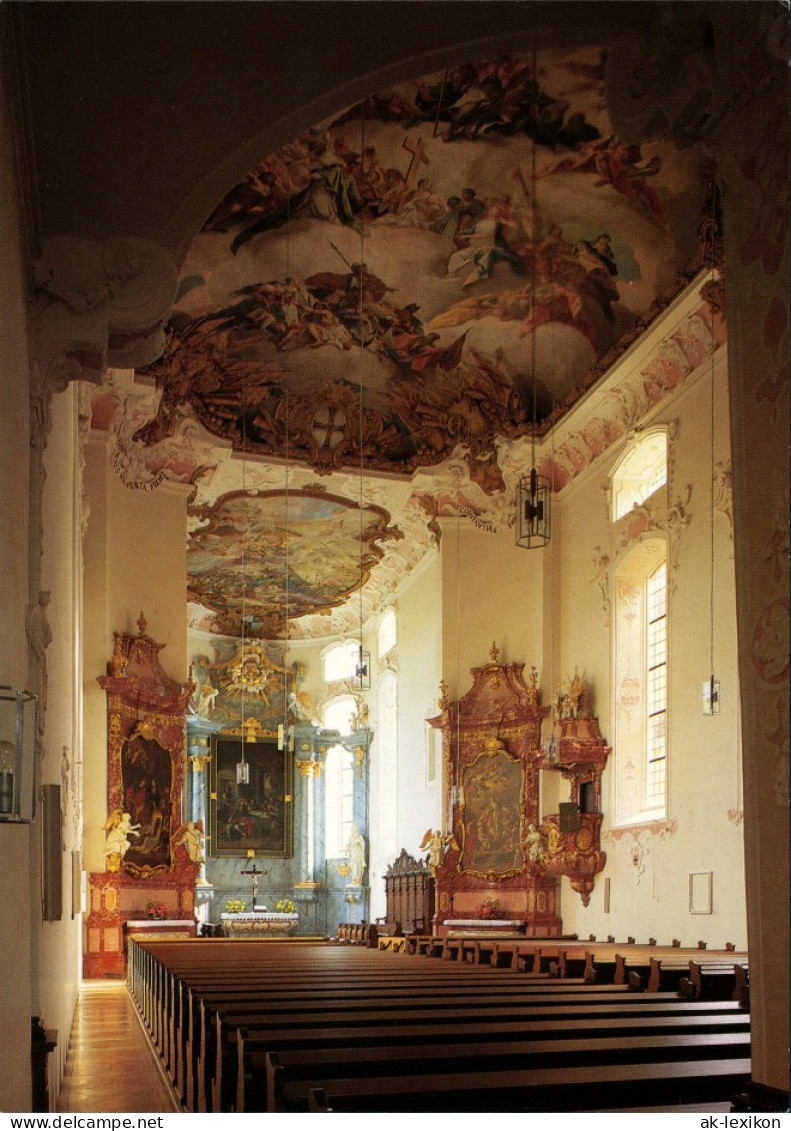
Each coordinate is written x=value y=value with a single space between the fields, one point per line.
x=110 y=1066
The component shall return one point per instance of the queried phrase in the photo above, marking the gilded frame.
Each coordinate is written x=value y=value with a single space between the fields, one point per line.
x=256 y=818
x=492 y=815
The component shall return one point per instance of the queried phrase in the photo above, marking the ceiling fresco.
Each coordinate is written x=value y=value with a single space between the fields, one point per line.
x=256 y=561
x=395 y=296
x=434 y=266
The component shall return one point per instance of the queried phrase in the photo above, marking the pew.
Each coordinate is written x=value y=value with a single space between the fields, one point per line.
x=251 y=1052
x=581 y=1088
x=216 y=1010
x=291 y=1075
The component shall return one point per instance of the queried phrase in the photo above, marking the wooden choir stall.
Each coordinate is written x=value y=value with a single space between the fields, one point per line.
x=498 y=865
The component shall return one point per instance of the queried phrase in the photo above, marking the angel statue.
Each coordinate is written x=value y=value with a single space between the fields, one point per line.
x=119 y=828
x=536 y=845
x=436 y=843
x=356 y=850
x=192 y=837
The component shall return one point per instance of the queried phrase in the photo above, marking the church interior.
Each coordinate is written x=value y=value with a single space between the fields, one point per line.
x=396 y=493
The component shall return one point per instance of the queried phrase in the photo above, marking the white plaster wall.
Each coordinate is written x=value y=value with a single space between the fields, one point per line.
x=16 y=841
x=60 y=947
x=649 y=874
x=135 y=561
x=492 y=592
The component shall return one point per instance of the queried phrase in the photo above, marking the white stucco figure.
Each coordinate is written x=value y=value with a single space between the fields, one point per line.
x=356 y=850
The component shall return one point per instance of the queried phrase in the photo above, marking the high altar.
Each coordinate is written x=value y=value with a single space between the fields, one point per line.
x=503 y=860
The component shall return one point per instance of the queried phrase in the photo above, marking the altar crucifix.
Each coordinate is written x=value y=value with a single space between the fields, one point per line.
x=254 y=874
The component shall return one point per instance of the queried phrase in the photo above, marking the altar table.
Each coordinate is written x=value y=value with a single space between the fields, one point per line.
x=246 y=923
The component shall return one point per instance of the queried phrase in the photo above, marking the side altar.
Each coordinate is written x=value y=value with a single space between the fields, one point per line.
x=499 y=860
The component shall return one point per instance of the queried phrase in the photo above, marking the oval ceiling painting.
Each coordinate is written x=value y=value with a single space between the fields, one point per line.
x=439 y=264
x=261 y=560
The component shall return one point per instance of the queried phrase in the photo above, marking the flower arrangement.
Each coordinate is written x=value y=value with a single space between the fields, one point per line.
x=489 y=909
x=234 y=906
x=287 y=906
x=156 y=910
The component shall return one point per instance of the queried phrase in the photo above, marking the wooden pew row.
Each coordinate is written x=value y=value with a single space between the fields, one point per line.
x=321 y=966
x=291 y=1075
x=290 y=989
x=202 y=1055
x=487 y=1020
x=253 y=1088
x=161 y=1004
x=583 y=1088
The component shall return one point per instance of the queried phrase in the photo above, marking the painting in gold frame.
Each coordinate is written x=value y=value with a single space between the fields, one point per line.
x=253 y=817
x=492 y=815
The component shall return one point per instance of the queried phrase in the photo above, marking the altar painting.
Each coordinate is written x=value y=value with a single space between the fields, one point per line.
x=492 y=815
x=256 y=816
x=147 y=796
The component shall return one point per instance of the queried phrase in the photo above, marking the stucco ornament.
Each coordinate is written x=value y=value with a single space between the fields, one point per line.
x=99 y=304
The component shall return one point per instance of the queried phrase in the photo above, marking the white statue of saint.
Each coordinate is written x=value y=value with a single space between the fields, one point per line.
x=356 y=850
x=192 y=837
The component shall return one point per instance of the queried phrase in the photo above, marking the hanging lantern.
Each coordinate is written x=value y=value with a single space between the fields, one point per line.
x=17 y=754
x=362 y=671
x=533 y=510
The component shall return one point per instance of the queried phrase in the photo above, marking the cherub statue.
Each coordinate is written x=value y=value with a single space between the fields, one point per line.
x=536 y=845
x=119 y=828
x=300 y=706
x=437 y=844
x=206 y=697
x=192 y=837
x=575 y=696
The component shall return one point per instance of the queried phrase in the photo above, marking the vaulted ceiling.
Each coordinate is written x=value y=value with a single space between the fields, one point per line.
x=416 y=283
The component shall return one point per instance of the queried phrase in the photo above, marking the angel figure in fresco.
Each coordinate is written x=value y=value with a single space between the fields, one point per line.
x=620 y=166
x=437 y=844
x=192 y=837
x=118 y=828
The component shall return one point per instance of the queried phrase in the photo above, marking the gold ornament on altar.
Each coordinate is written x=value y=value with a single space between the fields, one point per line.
x=571 y=699
x=249 y=672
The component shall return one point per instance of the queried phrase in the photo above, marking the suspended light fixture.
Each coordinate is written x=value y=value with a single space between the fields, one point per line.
x=362 y=669
x=711 y=689
x=243 y=766
x=533 y=491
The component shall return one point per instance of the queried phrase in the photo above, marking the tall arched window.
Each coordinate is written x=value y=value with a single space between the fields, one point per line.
x=387 y=764
x=387 y=637
x=641 y=682
x=339 y=779
x=642 y=470
x=339 y=661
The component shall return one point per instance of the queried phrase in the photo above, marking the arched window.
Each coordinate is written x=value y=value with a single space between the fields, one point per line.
x=339 y=661
x=388 y=633
x=642 y=470
x=387 y=766
x=641 y=683
x=339 y=779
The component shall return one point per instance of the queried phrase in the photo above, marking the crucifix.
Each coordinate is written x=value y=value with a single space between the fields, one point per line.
x=418 y=158
x=255 y=874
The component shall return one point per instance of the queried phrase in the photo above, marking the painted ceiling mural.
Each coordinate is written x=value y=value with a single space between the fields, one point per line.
x=260 y=560
x=385 y=285
x=393 y=297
